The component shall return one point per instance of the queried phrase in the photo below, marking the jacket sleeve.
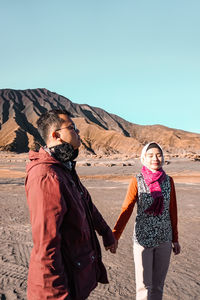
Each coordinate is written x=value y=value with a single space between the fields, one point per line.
x=100 y=224
x=127 y=208
x=47 y=208
x=173 y=212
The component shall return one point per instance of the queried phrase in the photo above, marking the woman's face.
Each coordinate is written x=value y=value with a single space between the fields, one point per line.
x=153 y=159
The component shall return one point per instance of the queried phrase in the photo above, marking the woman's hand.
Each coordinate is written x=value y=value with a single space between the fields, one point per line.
x=176 y=248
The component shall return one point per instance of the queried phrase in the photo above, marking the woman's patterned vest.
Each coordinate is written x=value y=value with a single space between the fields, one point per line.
x=150 y=231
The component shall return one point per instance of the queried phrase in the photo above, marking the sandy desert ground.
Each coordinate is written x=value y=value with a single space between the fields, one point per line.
x=107 y=181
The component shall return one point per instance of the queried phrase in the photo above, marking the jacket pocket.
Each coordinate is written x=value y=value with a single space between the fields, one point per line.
x=83 y=275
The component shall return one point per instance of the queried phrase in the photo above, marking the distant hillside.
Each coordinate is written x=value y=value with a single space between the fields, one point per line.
x=101 y=132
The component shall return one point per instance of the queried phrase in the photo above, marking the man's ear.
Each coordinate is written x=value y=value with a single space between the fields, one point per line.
x=55 y=135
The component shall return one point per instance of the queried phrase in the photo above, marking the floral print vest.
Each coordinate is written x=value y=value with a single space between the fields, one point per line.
x=150 y=231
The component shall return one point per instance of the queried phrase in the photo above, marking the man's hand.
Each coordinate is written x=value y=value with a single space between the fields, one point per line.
x=176 y=248
x=113 y=247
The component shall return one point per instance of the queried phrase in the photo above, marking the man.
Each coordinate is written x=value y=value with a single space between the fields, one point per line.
x=66 y=260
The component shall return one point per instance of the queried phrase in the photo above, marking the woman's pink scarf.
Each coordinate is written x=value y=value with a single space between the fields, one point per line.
x=153 y=181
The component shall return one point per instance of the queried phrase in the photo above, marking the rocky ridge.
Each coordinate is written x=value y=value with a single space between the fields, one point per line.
x=102 y=133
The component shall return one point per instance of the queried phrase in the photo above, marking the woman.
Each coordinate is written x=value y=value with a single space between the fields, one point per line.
x=155 y=225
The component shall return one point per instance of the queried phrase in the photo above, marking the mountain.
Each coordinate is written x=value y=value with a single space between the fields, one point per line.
x=102 y=133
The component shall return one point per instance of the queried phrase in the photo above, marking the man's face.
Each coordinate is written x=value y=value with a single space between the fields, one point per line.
x=67 y=133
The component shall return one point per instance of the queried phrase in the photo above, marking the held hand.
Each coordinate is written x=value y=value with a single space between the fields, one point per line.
x=176 y=248
x=113 y=247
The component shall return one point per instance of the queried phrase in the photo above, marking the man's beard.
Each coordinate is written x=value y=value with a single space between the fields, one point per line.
x=64 y=152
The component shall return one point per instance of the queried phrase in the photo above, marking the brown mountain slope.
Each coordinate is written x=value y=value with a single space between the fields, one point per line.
x=105 y=142
x=101 y=132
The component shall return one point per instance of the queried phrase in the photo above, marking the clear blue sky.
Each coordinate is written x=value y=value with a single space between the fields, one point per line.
x=139 y=59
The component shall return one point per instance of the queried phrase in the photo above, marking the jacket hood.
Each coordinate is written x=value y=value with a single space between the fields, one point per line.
x=41 y=157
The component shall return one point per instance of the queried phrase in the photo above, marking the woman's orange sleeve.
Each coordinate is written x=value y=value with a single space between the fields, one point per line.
x=173 y=212
x=127 y=208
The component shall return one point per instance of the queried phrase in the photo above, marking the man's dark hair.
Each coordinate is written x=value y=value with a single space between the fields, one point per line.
x=48 y=119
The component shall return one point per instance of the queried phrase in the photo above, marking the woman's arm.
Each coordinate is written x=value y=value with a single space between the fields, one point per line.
x=127 y=208
x=174 y=218
x=173 y=212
